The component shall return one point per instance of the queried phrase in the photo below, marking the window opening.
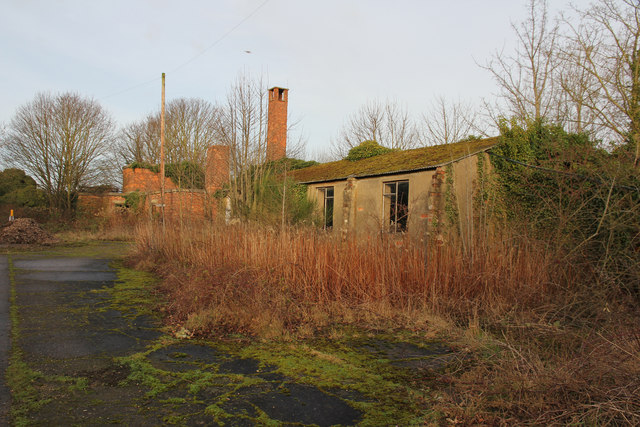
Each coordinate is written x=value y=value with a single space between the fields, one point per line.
x=396 y=205
x=327 y=207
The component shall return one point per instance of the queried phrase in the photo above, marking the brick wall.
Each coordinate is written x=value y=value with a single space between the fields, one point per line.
x=183 y=205
x=217 y=170
x=143 y=180
x=94 y=203
x=277 y=123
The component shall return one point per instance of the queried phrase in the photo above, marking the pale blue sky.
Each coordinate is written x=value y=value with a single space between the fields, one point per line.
x=333 y=55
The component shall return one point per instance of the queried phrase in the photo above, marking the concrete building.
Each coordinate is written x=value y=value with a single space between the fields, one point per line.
x=401 y=191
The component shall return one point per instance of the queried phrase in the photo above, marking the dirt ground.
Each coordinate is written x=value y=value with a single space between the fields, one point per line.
x=87 y=348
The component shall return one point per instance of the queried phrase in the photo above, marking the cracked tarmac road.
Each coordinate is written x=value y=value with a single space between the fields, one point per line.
x=72 y=337
x=87 y=349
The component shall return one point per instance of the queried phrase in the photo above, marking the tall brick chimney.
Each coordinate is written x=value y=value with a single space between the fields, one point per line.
x=277 y=123
x=217 y=170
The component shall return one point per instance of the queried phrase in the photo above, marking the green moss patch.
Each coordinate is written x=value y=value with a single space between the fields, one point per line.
x=393 y=162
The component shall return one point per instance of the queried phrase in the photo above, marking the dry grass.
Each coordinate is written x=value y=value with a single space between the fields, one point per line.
x=253 y=280
x=547 y=349
x=120 y=226
x=549 y=376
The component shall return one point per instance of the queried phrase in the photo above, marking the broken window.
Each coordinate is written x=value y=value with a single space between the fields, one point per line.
x=327 y=207
x=396 y=205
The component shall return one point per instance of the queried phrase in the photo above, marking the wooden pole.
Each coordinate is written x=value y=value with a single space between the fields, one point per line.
x=162 y=154
x=284 y=195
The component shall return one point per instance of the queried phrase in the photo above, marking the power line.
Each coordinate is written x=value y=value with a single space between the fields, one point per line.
x=198 y=55
x=221 y=38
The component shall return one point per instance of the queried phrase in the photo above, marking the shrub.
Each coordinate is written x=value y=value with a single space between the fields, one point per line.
x=133 y=200
x=20 y=190
x=365 y=150
x=580 y=198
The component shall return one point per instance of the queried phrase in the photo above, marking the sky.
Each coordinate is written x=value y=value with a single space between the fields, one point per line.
x=333 y=55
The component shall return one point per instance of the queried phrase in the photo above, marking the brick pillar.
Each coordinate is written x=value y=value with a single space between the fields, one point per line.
x=277 y=123
x=217 y=170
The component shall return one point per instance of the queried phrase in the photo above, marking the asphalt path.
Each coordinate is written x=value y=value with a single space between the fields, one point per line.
x=71 y=331
x=101 y=359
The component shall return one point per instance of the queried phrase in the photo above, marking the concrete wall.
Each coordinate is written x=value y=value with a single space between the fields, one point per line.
x=359 y=206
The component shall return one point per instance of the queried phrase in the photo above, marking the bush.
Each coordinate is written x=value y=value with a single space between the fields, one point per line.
x=185 y=174
x=133 y=200
x=580 y=198
x=20 y=190
x=365 y=150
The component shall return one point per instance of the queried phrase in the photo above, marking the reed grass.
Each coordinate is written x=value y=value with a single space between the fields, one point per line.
x=293 y=272
x=544 y=342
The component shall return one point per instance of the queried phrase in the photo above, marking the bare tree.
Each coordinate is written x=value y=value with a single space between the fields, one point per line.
x=59 y=141
x=576 y=88
x=447 y=122
x=526 y=78
x=140 y=141
x=191 y=127
x=388 y=123
x=242 y=126
x=606 y=47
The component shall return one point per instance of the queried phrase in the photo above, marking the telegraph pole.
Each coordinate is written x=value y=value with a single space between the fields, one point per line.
x=162 y=155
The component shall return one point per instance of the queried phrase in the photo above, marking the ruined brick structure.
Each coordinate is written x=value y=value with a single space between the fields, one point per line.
x=277 y=123
x=182 y=204
x=99 y=202
x=143 y=180
x=216 y=173
x=189 y=203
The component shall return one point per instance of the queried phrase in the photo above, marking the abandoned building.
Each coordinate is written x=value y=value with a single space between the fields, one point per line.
x=182 y=203
x=400 y=191
x=410 y=191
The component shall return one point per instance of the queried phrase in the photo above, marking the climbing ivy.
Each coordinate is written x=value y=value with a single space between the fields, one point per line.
x=450 y=200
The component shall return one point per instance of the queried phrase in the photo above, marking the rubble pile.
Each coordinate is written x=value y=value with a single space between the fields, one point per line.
x=24 y=230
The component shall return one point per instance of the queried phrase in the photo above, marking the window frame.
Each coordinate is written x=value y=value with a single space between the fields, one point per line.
x=325 y=208
x=392 y=206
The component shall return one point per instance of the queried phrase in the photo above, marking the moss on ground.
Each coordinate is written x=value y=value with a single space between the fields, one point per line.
x=168 y=380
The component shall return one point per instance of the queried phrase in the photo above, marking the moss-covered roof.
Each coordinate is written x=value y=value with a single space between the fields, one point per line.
x=393 y=163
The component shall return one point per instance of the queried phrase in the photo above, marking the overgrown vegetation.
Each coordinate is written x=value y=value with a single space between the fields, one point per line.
x=582 y=199
x=543 y=298
x=366 y=149
x=270 y=197
x=185 y=174
x=20 y=190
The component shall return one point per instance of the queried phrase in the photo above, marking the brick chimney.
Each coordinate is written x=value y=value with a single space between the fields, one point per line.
x=277 y=123
x=217 y=170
